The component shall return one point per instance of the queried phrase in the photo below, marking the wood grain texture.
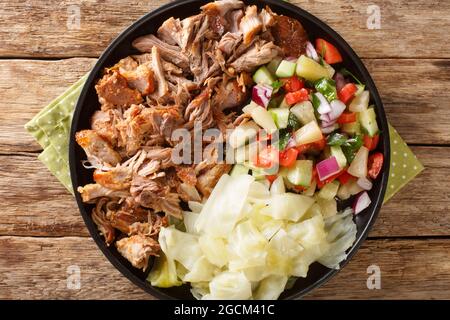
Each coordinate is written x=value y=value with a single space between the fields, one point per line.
x=410 y=269
x=36 y=268
x=35 y=204
x=414 y=93
x=40 y=28
x=26 y=87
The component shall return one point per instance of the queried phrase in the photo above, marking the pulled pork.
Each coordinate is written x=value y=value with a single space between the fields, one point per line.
x=196 y=69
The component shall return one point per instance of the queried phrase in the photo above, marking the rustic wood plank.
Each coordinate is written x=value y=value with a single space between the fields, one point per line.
x=35 y=204
x=46 y=28
x=415 y=98
x=37 y=267
x=410 y=269
x=27 y=86
x=413 y=92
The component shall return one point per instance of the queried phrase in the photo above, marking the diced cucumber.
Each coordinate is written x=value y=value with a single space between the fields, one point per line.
x=368 y=120
x=327 y=87
x=311 y=189
x=260 y=173
x=272 y=66
x=328 y=208
x=275 y=101
x=330 y=69
x=278 y=186
x=286 y=69
x=343 y=192
x=284 y=104
x=263 y=118
x=310 y=70
x=238 y=170
x=329 y=191
x=308 y=133
x=301 y=173
x=304 y=111
x=248 y=108
x=243 y=133
x=358 y=167
x=360 y=102
x=263 y=76
x=351 y=128
x=336 y=151
x=360 y=90
x=280 y=116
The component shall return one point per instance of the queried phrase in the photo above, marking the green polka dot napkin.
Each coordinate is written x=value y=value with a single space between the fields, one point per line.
x=51 y=127
x=404 y=165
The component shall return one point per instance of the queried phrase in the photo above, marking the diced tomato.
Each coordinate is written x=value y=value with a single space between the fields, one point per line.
x=347 y=92
x=267 y=157
x=293 y=84
x=271 y=178
x=347 y=117
x=345 y=177
x=320 y=184
x=371 y=142
x=329 y=52
x=313 y=146
x=300 y=188
x=288 y=157
x=297 y=96
x=375 y=164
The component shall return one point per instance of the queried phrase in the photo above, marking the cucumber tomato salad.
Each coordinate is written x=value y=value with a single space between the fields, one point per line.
x=326 y=130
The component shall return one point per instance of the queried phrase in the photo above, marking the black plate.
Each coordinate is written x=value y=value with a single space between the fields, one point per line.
x=121 y=47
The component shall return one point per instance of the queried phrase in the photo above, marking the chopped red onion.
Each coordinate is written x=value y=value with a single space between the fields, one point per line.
x=362 y=201
x=364 y=183
x=330 y=129
x=324 y=106
x=340 y=81
x=291 y=143
x=291 y=59
x=311 y=52
x=327 y=168
x=329 y=123
x=337 y=108
x=325 y=117
x=261 y=94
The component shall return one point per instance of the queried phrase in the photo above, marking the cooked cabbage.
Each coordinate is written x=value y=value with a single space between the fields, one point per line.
x=248 y=239
x=224 y=206
x=288 y=206
x=164 y=274
x=271 y=287
x=229 y=286
x=341 y=235
x=214 y=249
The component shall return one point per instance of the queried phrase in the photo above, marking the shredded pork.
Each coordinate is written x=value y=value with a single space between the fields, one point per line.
x=196 y=69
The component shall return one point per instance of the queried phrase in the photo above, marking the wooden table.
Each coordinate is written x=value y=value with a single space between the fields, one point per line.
x=42 y=233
